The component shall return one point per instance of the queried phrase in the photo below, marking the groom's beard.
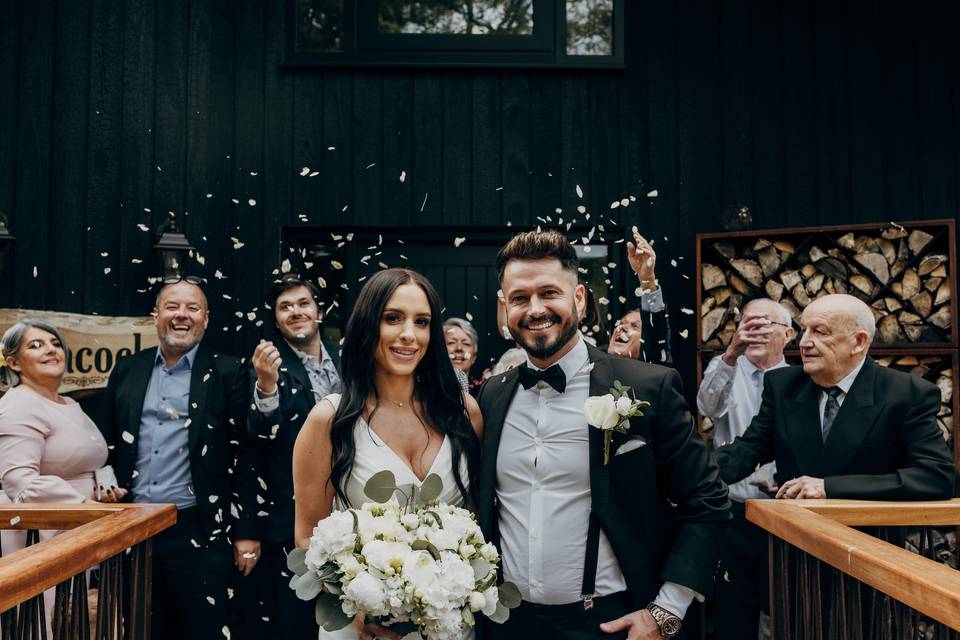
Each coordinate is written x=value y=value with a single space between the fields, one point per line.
x=543 y=347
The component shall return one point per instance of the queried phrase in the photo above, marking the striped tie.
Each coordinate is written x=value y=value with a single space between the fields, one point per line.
x=830 y=409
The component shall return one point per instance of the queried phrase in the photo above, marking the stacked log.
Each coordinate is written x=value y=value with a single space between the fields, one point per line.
x=902 y=274
x=936 y=369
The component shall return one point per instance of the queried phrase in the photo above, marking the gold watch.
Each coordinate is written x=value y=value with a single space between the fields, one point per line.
x=668 y=622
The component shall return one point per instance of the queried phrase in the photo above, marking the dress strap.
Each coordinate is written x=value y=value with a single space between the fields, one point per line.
x=334 y=399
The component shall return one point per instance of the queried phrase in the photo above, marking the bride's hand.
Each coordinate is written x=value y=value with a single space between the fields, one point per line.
x=371 y=631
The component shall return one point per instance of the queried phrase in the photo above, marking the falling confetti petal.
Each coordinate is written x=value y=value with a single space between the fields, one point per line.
x=689 y=312
x=252 y=202
x=684 y=333
x=305 y=171
x=579 y=192
x=458 y=241
x=127 y=437
x=226 y=632
x=14 y=521
x=336 y=265
x=34 y=271
x=652 y=194
x=285 y=266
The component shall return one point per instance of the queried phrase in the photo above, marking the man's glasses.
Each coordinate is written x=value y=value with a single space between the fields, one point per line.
x=195 y=280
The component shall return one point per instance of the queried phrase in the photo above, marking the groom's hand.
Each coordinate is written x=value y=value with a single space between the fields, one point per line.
x=639 y=625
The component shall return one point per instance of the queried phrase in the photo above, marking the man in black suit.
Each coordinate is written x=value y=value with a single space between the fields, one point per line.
x=841 y=426
x=290 y=374
x=174 y=420
x=598 y=547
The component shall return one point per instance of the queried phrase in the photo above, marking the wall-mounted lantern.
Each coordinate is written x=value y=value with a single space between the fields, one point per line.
x=172 y=248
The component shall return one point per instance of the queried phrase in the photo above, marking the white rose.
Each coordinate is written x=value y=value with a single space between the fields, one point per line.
x=477 y=601
x=601 y=411
x=467 y=550
x=624 y=405
x=456 y=577
x=443 y=539
x=489 y=552
x=420 y=569
x=368 y=593
x=332 y=536
x=385 y=556
x=410 y=520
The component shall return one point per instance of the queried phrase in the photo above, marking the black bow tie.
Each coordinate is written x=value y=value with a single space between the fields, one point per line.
x=552 y=375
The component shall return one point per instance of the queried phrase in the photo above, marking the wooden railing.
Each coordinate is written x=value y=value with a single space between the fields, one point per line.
x=92 y=535
x=874 y=589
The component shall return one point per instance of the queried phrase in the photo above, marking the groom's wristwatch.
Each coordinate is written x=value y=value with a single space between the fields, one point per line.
x=669 y=623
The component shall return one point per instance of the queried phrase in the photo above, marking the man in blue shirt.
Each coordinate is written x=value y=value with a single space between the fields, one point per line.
x=174 y=420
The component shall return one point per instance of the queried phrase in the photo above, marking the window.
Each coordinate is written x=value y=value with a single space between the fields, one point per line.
x=452 y=33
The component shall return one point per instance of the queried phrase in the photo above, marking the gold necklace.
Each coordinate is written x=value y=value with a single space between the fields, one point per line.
x=400 y=404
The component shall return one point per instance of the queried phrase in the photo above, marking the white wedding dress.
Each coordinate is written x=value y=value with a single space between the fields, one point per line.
x=372 y=455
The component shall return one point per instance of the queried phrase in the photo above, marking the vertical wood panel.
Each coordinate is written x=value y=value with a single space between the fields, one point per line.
x=367 y=148
x=515 y=128
x=769 y=140
x=136 y=156
x=103 y=173
x=278 y=170
x=169 y=128
x=337 y=173
x=68 y=164
x=735 y=88
x=575 y=150
x=32 y=204
x=799 y=122
x=397 y=148
x=867 y=196
x=427 y=150
x=545 y=135
x=9 y=66
x=486 y=149
x=457 y=107
x=833 y=160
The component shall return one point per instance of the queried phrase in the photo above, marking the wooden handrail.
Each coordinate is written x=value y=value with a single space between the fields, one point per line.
x=874 y=513
x=101 y=532
x=922 y=584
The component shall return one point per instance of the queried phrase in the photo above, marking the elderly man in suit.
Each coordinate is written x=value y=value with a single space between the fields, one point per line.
x=841 y=426
x=291 y=373
x=603 y=540
x=174 y=420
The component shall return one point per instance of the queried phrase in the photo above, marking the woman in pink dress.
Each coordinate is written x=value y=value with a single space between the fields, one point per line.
x=49 y=448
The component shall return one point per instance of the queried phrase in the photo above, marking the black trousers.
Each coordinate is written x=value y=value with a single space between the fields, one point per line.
x=741 y=586
x=290 y=618
x=190 y=582
x=562 y=621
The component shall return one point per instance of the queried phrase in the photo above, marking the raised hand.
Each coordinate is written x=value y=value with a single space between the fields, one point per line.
x=643 y=261
x=266 y=362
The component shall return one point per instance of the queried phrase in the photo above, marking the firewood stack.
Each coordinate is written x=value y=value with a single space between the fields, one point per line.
x=902 y=274
x=936 y=369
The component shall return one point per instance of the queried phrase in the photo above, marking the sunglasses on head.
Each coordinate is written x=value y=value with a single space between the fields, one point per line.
x=194 y=280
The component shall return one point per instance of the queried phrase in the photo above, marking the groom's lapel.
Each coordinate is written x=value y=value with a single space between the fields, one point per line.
x=601 y=379
x=495 y=413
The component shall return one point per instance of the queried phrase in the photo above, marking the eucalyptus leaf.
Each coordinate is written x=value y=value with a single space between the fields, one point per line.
x=436 y=516
x=431 y=488
x=423 y=545
x=509 y=595
x=296 y=561
x=308 y=586
x=332 y=586
x=380 y=486
x=330 y=615
x=501 y=615
x=481 y=568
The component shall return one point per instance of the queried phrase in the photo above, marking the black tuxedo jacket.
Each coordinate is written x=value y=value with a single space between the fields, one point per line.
x=884 y=443
x=275 y=433
x=222 y=459
x=662 y=505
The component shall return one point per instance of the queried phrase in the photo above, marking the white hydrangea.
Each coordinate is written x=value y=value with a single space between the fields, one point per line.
x=368 y=594
x=332 y=535
x=386 y=556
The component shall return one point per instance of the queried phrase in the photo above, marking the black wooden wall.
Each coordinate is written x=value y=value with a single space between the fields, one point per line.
x=114 y=113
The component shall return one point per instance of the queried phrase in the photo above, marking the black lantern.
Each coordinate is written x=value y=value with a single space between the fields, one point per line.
x=6 y=240
x=172 y=248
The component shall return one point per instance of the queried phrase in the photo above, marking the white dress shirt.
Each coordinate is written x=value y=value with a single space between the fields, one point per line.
x=730 y=396
x=543 y=487
x=844 y=385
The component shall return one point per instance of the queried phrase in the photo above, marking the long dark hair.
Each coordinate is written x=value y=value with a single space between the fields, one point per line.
x=435 y=386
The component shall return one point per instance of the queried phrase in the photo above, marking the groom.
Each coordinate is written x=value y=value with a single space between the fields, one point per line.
x=615 y=549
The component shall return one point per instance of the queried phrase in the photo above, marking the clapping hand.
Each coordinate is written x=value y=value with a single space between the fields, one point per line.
x=266 y=362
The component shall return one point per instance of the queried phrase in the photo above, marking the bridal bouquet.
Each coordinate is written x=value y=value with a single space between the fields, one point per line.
x=405 y=561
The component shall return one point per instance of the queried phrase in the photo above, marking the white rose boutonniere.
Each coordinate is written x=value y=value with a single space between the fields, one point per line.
x=612 y=412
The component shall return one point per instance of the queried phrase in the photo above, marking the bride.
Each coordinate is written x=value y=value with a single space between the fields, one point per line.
x=401 y=409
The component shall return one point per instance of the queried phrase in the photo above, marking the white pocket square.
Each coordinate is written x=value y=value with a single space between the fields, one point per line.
x=633 y=443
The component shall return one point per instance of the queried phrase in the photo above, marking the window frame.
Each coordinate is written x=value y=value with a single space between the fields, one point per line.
x=364 y=46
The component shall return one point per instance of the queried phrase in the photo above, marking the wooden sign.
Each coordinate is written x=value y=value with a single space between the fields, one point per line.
x=94 y=343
